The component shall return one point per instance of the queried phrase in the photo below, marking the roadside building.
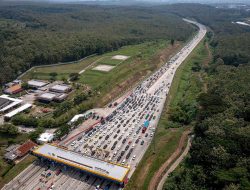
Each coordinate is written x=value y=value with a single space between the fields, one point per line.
x=15 y=152
x=25 y=148
x=61 y=88
x=45 y=138
x=36 y=83
x=13 y=89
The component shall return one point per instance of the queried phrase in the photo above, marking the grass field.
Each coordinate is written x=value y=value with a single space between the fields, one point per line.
x=186 y=86
x=63 y=71
x=108 y=61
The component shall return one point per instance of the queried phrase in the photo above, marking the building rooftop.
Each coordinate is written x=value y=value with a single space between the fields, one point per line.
x=95 y=166
x=45 y=137
x=60 y=87
x=25 y=148
x=13 y=103
x=37 y=83
x=18 y=110
x=47 y=96
x=4 y=102
x=13 y=89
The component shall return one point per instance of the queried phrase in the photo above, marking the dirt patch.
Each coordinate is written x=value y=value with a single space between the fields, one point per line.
x=120 y=57
x=105 y=68
x=159 y=174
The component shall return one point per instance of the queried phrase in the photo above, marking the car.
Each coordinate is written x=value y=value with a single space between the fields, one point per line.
x=123 y=162
x=119 y=158
x=48 y=175
x=87 y=178
x=146 y=134
x=142 y=142
x=128 y=155
x=105 y=146
x=127 y=147
x=137 y=140
x=58 y=171
x=133 y=157
x=97 y=187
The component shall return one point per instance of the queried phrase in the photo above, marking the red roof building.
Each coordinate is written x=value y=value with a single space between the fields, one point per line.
x=13 y=89
x=25 y=148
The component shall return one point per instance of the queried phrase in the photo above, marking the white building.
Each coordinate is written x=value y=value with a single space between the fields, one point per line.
x=36 y=83
x=45 y=138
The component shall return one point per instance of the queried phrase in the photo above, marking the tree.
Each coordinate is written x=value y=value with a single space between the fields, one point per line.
x=35 y=134
x=9 y=129
x=172 y=42
x=74 y=76
x=25 y=86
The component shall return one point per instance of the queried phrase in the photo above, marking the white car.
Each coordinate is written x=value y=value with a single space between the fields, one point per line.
x=133 y=157
x=123 y=162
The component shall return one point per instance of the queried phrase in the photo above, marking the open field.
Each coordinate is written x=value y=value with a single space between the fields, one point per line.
x=185 y=86
x=64 y=70
x=109 y=61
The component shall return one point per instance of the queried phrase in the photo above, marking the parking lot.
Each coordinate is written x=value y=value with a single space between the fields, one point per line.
x=122 y=137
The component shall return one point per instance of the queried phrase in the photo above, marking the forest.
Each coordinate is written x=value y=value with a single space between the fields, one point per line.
x=40 y=34
x=220 y=154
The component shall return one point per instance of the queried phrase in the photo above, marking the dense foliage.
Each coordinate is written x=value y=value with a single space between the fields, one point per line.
x=220 y=153
x=46 y=34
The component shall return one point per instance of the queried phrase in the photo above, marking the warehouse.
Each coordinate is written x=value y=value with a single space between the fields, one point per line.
x=6 y=103
x=60 y=88
x=36 y=83
x=110 y=171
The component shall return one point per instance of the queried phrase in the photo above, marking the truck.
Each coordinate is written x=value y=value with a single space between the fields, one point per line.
x=145 y=126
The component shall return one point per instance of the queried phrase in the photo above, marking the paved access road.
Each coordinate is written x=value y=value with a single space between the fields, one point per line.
x=120 y=139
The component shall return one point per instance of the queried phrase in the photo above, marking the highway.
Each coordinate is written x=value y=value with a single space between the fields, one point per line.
x=120 y=139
